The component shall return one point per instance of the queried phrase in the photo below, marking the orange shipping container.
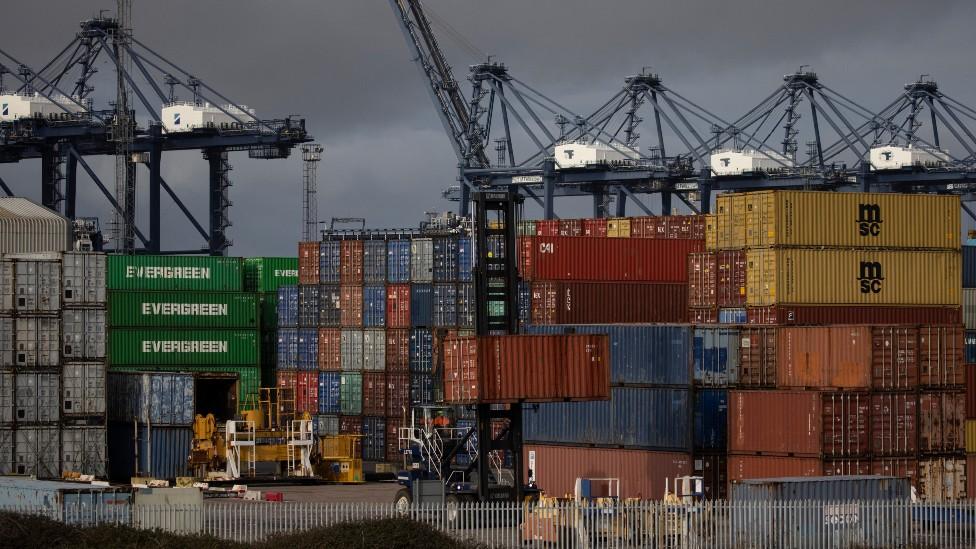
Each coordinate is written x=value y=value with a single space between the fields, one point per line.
x=894 y=424
x=595 y=227
x=351 y=301
x=702 y=279
x=398 y=306
x=894 y=360
x=775 y=422
x=330 y=349
x=846 y=423
x=351 y=262
x=308 y=262
x=536 y=368
x=570 y=227
x=398 y=350
x=816 y=356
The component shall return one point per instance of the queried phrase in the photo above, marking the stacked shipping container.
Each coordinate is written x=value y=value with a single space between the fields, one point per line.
x=263 y=276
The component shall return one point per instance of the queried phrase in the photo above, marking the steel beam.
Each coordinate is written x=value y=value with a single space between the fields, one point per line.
x=219 y=200
x=70 y=186
x=155 y=161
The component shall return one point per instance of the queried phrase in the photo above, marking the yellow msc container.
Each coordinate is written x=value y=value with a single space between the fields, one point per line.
x=731 y=229
x=850 y=220
x=711 y=232
x=809 y=276
x=618 y=227
x=971 y=436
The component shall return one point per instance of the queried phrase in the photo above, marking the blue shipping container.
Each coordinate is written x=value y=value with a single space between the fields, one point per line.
x=421 y=389
x=445 y=259
x=421 y=350
x=374 y=261
x=156 y=398
x=421 y=305
x=465 y=259
x=634 y=417
x=715 y=352
x=398 y=261
x=374 y=439
x=711 y=419
x=466 y=306
x=308 y=349
x=445 y=306
x=308 y=306
x=640 y=354
x=158 y=452
x=969 y=266
x=374 y=306
x=288 y=306
x=732 y=316
x=330 y=308
x=330 y=387
x=287 y=348
x=329 y=258
x=971 y=352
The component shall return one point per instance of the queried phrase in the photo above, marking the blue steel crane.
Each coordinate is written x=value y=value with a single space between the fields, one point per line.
x=63 y=139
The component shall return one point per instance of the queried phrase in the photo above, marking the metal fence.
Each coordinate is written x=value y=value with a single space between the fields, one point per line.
x=850 y=524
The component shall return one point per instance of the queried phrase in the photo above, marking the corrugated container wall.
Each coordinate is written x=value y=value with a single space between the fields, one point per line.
x=155 y=398
x=28 y=227
x=849 y=314
x=288 y=306
x=158 y=452
x=267 y=274
x=330 y=261
x=157 y=272
x=555 y=302
x=185 y=310
x=715 y=353
x=37 y=283
x=132 y=347
x=969 y=308
x=398 y=261
x=83 y=278
x=83 y=390
x=308 y=305
x=83 y=450
x=791 y=422
x=37 y=452
x=374 y=262
x=845 y=488
x=38 y=342
x=308 y=262
x=617 y=259
x=422 y=260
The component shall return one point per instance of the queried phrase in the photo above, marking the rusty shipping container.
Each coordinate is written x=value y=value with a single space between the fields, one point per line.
x=612 y=259
x=942 y=479
x=894 y=424
x=535 y=368
x=838 y=356
x=555 y=302
x=775 y=422
x=703 y=316
x=397 y=350
x=894 y=357
x=595 y=227
x=941 y=351
x=351 y=262
x=397 y=395
x=702 y=280
x=744 y=467
x=330 y=349
x=941 y=422
x=805 y=276
x=757 y=357
x=785 y=315
x=308 y=262
x=526 y=262
x=570 y=227
x=642 y=473
x=846 y=424
x=398 y=306
x=731 y=278
x=351 y=301
x=547 y=227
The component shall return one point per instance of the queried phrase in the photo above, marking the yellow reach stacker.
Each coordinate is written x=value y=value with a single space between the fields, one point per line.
x=268 y=440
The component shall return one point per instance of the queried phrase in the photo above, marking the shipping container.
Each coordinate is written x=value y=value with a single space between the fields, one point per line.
x=374 y=394
x=849 y=220
x=731 y=270
x=37 y=452
x=941 y=356
x=351 y=306
x=351 y=347
x=642 y=473
x=445 y=313
x=969 y=349
x=157 y=398
x=397 y=350
x=970 y=436
x=330 y=305
x=72 y=502
x=308 y=349
x=894 y=357
x=446 y=251
x=715 y=356
x=421 y=388
x=350 y=425
x=547 y=227
x=374 y=439
x=421 y=305
x=397 y=395
x=422 y=260
x=308 y=262
x=287 y=349
x=618 y=227
x=325 y=425
x=732 y=316
x=152 y=347
x=393 y=453
x=267 y=274
x=83 y=333
x=84 y=450
x=751 y=466
x=894 y=424
x=28 y=227
x=82 y=390
x=555 y=302
x=846 y=488
x=306 y=392
x=374 y=261
x=851 y=277
x=526 y=253
x=711 y=419
x=942 y=479
x=815 y=315
x=465 y=259
x=148 y=451
x=398 y=261
x=466 y=306
x=969 y=266
x=398 y=305
x=702 y=280
x=775 y=422
x=374 y=350
x=729 y=234
x=83 y=279
x=308 y=306
x=970 y=474
x=615 y=259
x=37 y=398
x=38 y=342
x=421 y=350
x=184 y=310
x=970 y=389
x=595 y=227
x=218 y=389
x=6 y=398
x=969 y=308
x=351 y=263
x=7 y=444
x=846 y=424
x=6 y=286
x=351 y=394
x=703 y=316
x=374 y=306
x=287 y=306
x=330 y=349
x=330 y=385
x=330 y=261
x=941 y=418
x=173 y=272
x=714 y=470
x=37 y=283
x=526 y=227
x=508 y=369
x=648 y=227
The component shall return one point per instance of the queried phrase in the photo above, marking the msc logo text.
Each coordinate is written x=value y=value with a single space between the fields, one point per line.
x=870 y=277
x=869 y=219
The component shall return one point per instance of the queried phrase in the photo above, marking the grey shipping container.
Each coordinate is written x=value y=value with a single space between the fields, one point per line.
x=83 y=450
x=351 y=350
x=445 y=306
x=836 y=488
x=330 y=309
x=6 y=342
x=37 y=283
x=374 y=350
x=83 y=389
x=37 y=451
x=374 y=261
x=326 y=425
x=156 y=398
x=140 y=450
x=6 y=451
x=83 y=332
x=83 y=503
x=83 y=279
x=969 y=308
x=6 y=397
x=466 y=309
x=38 y=341
x=422 y=260
x=37 y=398
x=6 y=286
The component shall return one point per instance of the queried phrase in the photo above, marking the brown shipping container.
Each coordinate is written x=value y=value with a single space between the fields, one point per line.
x=570 y=227
x=397 y=395
x=685 y=227
x=557 y=302
x=941 y=351
x=731 y=279
x=942 y=479
x=393 y=454
x=596 y=227
x=351 y=300
x=894 y=357
x=896 y=467
x=537 y=368
x=785 y=315
x=526 y=245
x=308 y=262
x=703 y=316
x=330 y=349
x=642 y=473
x=350 y=425
x=351 y=262
x=714 y=470
x=941 y=422
x=547 y=227
x=398 y=306
x=744 y=467
x=648 y=227
x=757 y=356
x=971 y=393
x=838 y=356
x=702 y=279
x=894 y=424
x=846 y=423
x=374 y=393
x=612 y=259
x=845 y=467
x=775 y=422
x=397 y=350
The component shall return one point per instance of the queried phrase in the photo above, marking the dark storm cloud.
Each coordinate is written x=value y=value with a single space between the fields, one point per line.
x=345 y=67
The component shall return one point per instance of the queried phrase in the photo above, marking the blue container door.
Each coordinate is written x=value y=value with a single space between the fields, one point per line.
x=330 y=387
x=308 y=349
x=421 y=305
x=971 y=354
x=287 y=348
x=374 y=306
x=732 y=316
x=288 y=306
x=329 y=257
x=398 y=261
x=421 y=389
x=445 y=259
x=421 y=350
x=445 y=306
x=711 y=419
x=716 y=356
x=465 y=260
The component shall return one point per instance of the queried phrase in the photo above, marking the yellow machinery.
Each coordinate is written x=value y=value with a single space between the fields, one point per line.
x=339 y=459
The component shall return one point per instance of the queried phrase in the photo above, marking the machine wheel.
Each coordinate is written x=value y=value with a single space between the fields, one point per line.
x=402 y=501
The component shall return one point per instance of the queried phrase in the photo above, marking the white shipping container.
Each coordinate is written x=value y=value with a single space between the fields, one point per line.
x=83 y=334
x=897 y=157
x=6 y=397
x=422 y=260
x=6 y=450
x=6 y=286
x=374 y=350
x=28 y=227
x=37 y=451
x=83 y=389
x=83 y=450
x=6 y=342
x=37 y=282
x=37 y=398
x=38 y=342
x=969 y=308
x=83 y=279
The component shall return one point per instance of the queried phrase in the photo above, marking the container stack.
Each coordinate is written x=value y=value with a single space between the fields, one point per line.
x=263 y=276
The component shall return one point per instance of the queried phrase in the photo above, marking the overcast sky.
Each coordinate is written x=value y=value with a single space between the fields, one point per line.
x=345 y=67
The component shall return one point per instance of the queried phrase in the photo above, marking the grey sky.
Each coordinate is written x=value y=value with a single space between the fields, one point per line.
x=345 y=67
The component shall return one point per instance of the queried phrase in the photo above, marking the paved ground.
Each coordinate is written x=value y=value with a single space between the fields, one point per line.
x=372 y=492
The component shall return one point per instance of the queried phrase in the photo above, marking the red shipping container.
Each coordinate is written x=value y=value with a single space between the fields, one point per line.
x=846 y=467
x=896 y=467
x=547 y=227
x=393 y=452
x=525 y=245
x=757 y=356
x=642 y=473
x=308 y=262
x=894 y=361
x=744 y=467
x=971 y=394
x=595 y=227
x=307 y=392
x=570 y=227
x=374 y=394
x=351 y=301
x=703 y=316
x=330 y=349
x=288 y=380
x=815 y=356
x=607 y=303
x=398 y=350
x=612 y=259
x=941 y=422
x=702 y=280
x=731 y=278
x=941 y=351
x=397 y=395
x=817 y=315
x=350 y=425
x=648 y=227
x=685 y=227
x=351 y=262
x=536 y=368
x=398 y=306
x=846 y=424
x=894 y=425
x=775 y=422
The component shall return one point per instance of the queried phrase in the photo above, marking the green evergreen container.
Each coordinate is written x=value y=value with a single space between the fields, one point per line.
x=248 y=377
x=268 y=305
x=183 y=309
x=166 y=347
x=175 y=272
x=266 y=274
x=351 y=394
